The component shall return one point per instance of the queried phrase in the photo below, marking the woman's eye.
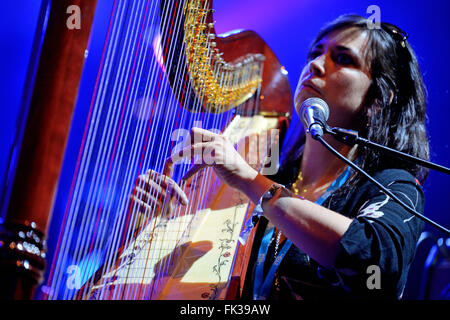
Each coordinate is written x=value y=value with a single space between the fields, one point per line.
x=314 y=54
x=344 y=59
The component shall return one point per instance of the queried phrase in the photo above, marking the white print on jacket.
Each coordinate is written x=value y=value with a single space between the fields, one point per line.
x=372 y=210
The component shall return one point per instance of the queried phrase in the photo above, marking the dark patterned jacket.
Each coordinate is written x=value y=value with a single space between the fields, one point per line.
x=374 y=255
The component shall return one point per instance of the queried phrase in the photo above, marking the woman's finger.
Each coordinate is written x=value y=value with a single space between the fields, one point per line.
x=150 y=207
x=173 y=189
x=179 y=194
x=156 y=184
x=193 y=170
x=202 y=135
x=146 y=211
x=194 y=152
x=151 y=186
x=145 y=196
x=153 y=181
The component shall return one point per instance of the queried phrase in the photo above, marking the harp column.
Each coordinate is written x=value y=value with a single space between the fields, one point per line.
x=22 y=233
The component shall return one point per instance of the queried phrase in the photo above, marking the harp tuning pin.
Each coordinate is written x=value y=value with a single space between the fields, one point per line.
x=260 y=57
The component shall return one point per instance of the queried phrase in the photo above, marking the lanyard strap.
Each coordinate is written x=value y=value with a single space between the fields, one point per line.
x=261 y=287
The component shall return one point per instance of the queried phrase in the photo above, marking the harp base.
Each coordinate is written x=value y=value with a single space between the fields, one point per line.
x=22 y=260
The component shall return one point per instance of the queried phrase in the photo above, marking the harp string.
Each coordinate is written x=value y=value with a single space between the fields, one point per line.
x=55 y=275
x=163 y=267
x=150 y=191
x=104 y=176
x=97 y=176
x=111 y=152
x=128 y=289
x=137 y=134
x=134 y=219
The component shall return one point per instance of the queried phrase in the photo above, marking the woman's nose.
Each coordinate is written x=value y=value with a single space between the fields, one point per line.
x=317 y=65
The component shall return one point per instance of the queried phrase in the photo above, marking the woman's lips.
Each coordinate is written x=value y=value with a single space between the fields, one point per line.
x=311 y=87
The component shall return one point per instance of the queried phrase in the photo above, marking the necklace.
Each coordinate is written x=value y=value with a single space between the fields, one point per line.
x=313 y=192
x=298 y=189
x=275 y=254
x=277 y=244
x=297 y=186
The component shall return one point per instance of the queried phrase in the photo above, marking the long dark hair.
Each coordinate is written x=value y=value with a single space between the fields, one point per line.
x=399 y=124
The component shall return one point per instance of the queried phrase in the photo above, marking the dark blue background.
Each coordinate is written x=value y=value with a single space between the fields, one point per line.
x=288 y=26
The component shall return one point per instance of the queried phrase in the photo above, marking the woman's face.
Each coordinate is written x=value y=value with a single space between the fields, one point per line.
x=337 y=72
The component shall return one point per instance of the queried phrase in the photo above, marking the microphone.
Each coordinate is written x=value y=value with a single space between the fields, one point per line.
x=314 y=113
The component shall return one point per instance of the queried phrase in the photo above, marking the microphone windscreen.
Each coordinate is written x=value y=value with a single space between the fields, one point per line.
x=320 y=107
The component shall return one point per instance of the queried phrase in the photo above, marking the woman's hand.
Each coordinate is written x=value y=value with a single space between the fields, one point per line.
x=153 y=195
x=218 y=152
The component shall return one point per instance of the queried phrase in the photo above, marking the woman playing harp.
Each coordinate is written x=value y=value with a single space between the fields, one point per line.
x=325 y=229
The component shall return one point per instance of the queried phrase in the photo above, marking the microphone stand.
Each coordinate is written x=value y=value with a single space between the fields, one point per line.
x=351 y=137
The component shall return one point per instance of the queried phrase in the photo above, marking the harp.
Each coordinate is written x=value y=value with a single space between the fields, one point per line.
x=161 y=69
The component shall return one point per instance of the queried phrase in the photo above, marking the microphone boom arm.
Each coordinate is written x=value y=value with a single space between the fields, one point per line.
x=351 y=137
x=381 y=187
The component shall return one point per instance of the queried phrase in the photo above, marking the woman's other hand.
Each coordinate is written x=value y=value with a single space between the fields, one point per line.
x=153 y=196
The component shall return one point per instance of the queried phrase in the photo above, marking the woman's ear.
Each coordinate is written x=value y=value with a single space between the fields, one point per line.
x=391 y=96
